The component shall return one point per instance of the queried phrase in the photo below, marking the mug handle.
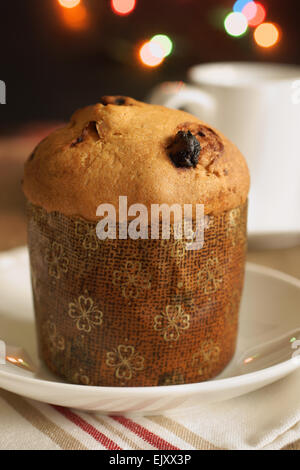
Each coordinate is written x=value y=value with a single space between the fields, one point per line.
x=178 y=94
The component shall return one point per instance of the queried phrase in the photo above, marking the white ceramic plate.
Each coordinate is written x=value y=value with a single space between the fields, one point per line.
x=269 y=327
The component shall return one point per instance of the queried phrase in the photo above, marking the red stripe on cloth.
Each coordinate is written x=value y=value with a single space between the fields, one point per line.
x=88 y=428
x=142 y=432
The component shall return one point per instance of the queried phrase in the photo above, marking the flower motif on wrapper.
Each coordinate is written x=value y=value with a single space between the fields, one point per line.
x=57 y=261
x=178 y=250
x=206 y=357
x=172 y=322
x=210 y=277
x=179 y=246
x=55 y=341
x=173 y=378
x=126 y=362
x=132 y=279
x=85 y=313
x=81 y=378
x=87 y=235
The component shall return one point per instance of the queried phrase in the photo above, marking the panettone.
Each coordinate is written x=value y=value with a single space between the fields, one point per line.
x=135 y=312
x=109 y=150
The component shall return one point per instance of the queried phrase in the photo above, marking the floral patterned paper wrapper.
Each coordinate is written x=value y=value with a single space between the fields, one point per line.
x=135 y=312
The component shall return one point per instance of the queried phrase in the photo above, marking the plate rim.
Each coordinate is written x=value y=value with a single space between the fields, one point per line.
x=283 y=368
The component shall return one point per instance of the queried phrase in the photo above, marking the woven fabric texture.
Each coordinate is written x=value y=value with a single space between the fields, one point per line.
x=135 y=312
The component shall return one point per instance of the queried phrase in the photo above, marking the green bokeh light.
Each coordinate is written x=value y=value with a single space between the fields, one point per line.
x=165 y=43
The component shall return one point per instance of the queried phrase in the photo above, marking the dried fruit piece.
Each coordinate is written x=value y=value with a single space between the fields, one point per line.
x=90 y=129
x=211 y=143
x=117 y=100
x=184 y=150
x=120 y=101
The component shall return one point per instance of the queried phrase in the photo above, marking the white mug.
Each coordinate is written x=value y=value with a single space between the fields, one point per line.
x=257 y=106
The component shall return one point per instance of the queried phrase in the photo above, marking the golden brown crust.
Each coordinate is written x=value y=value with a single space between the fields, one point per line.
x=120 y=148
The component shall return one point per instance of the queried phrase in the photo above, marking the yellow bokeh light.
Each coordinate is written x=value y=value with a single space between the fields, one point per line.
x=69 y=3
x=76 y=18
x=151 y=54
x=266 y=35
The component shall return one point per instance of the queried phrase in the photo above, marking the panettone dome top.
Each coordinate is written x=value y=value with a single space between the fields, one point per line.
x=149 y=153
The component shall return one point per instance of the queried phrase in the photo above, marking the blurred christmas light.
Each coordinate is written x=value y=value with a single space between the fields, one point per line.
x=164 y=42
x=69 y=3
x=75 y=18
x=255 y=13
x=11 y=359
x=248 y=360
x=151 y=54
x=266 y=35
x=123 y=7
x=239 y=5
x=249 y=10
x=236 y=24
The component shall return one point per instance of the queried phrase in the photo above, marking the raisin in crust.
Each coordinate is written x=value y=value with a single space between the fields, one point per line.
x=121 y=147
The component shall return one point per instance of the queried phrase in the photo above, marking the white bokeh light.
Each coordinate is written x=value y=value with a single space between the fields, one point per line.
x=236 y=24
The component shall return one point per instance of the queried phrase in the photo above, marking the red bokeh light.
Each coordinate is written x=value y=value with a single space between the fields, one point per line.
x=255 y=13
x=123 y=7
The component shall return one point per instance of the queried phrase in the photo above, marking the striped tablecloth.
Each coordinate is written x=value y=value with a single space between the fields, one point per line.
x=266 y=419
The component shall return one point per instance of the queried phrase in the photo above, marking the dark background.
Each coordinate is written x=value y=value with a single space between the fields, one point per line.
x=51 y=69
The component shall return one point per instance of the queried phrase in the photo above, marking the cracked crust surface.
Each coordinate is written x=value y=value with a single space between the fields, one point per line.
x=120 y=147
